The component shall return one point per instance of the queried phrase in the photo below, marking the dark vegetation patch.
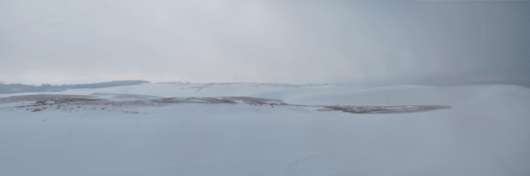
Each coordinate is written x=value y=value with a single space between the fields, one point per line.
x=36 y=103
x=383 y=109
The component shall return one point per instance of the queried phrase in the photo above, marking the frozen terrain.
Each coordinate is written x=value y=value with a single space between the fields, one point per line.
x=267 y=129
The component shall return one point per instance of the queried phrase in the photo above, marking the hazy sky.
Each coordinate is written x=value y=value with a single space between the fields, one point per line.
x=298 y=42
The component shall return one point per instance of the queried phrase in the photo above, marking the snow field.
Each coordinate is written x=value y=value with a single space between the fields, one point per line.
x=486 y=132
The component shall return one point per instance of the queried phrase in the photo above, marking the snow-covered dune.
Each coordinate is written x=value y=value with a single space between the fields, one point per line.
x=266 y=129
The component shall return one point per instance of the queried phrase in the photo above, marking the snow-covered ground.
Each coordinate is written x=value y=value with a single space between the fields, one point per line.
x=267 y=129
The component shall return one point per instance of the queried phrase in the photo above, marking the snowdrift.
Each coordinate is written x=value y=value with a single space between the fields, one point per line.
x=267 y=129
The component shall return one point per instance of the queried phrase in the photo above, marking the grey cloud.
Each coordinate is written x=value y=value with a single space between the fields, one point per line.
x=357 y=42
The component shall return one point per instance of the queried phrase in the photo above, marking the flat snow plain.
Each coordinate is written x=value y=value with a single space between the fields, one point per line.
x=480 y=130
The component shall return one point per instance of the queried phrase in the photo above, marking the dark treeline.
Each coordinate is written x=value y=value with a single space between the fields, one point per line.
x=18 y=88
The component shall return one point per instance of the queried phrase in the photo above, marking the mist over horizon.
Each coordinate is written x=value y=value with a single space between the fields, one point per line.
x=264 y=87
x=311 y=42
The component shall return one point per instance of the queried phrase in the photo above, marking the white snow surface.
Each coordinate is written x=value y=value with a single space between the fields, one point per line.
x=485 y=132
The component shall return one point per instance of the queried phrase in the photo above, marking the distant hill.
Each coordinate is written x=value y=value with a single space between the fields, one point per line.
x=19 y=88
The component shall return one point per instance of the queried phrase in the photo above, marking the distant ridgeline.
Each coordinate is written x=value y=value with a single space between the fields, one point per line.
x=18 y=88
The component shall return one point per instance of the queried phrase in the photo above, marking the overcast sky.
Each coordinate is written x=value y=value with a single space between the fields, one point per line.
x=298 y=42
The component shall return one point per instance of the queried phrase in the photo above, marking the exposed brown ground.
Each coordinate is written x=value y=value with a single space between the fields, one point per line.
x=40 y=102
